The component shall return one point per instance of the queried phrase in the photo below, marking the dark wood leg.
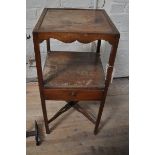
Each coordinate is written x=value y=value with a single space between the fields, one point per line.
x=107 y=82
x=99 y=117
x=48 y=45
x=40 y=79
x=98 y=46
x=43 y=104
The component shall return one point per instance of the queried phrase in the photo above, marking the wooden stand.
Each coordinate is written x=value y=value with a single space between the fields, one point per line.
x=74 y=76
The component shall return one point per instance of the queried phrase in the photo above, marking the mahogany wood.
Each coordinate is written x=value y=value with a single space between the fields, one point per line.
x=73 y=94
x=40 y=81
x=74 y=76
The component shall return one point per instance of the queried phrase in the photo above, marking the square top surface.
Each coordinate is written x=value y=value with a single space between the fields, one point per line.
x=75 y=20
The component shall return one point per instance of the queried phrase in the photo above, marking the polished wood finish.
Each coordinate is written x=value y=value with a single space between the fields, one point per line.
x=74 y=76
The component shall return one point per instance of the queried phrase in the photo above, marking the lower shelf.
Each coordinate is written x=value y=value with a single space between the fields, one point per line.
x=73 y=70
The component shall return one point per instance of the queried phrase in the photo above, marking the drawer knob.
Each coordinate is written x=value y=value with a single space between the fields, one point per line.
x=73 y=93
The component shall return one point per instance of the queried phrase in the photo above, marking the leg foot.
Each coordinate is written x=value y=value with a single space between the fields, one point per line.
x=47 y=131
x=99 y=117
x=95 y=132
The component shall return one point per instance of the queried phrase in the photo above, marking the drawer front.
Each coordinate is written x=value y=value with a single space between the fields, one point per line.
x=72 y=94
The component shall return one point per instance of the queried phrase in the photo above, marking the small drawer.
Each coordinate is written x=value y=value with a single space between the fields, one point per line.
x=73 y=94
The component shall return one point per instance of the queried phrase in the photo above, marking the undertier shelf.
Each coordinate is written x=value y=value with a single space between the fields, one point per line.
x=73 y=70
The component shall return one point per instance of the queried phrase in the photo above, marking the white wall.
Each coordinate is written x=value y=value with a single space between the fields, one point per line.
x=118 y=11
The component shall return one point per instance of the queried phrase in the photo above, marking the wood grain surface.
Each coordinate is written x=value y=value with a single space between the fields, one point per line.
x=73 y=70
x=68 y=25
x=75 y=20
